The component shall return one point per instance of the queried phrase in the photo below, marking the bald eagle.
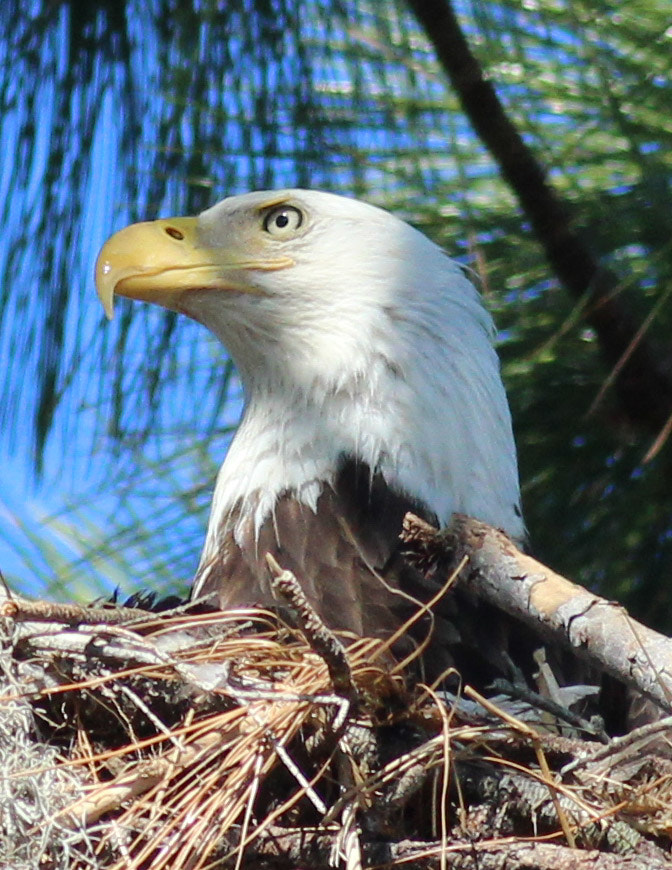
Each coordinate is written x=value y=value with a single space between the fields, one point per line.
x=371 y=388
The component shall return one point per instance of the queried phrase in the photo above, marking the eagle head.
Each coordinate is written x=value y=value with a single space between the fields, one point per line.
x=355 y=337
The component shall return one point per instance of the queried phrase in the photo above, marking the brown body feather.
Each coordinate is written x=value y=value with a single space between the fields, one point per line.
x=345 y=554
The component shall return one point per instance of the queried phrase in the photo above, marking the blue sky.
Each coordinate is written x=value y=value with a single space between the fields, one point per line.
x=50 y=524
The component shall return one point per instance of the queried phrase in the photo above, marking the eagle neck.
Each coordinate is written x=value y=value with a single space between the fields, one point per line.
x=293 y=442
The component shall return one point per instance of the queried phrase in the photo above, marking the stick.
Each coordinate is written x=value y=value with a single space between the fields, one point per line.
x=599 y=631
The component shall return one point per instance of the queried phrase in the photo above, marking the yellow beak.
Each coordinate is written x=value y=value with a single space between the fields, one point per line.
x=159 y=261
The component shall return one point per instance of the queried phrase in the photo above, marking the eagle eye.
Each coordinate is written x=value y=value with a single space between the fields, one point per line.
x=283 y=221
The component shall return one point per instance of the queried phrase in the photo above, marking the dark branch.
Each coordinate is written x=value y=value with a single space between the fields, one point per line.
x=644 y=383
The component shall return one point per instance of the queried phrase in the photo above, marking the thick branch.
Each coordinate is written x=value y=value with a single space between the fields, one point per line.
x=598 y=630
x=644 y=382
x=292 y=848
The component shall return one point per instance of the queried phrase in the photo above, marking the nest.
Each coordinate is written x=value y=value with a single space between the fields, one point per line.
x=134 y=740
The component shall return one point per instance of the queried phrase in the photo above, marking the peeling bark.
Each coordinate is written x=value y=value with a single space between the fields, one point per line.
x=599 y=631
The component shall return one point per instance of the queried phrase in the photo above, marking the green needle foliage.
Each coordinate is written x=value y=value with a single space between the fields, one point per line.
x=116 y=110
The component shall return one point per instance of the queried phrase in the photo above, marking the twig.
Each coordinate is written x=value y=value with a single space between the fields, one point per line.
x=21 y=610
x=637 y=738
x=321 y=639
x=522 y=693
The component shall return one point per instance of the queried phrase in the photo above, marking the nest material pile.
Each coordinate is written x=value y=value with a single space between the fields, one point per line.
x=132 y=740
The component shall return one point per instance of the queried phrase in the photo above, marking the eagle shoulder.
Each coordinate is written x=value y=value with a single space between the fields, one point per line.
x=345 y=553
